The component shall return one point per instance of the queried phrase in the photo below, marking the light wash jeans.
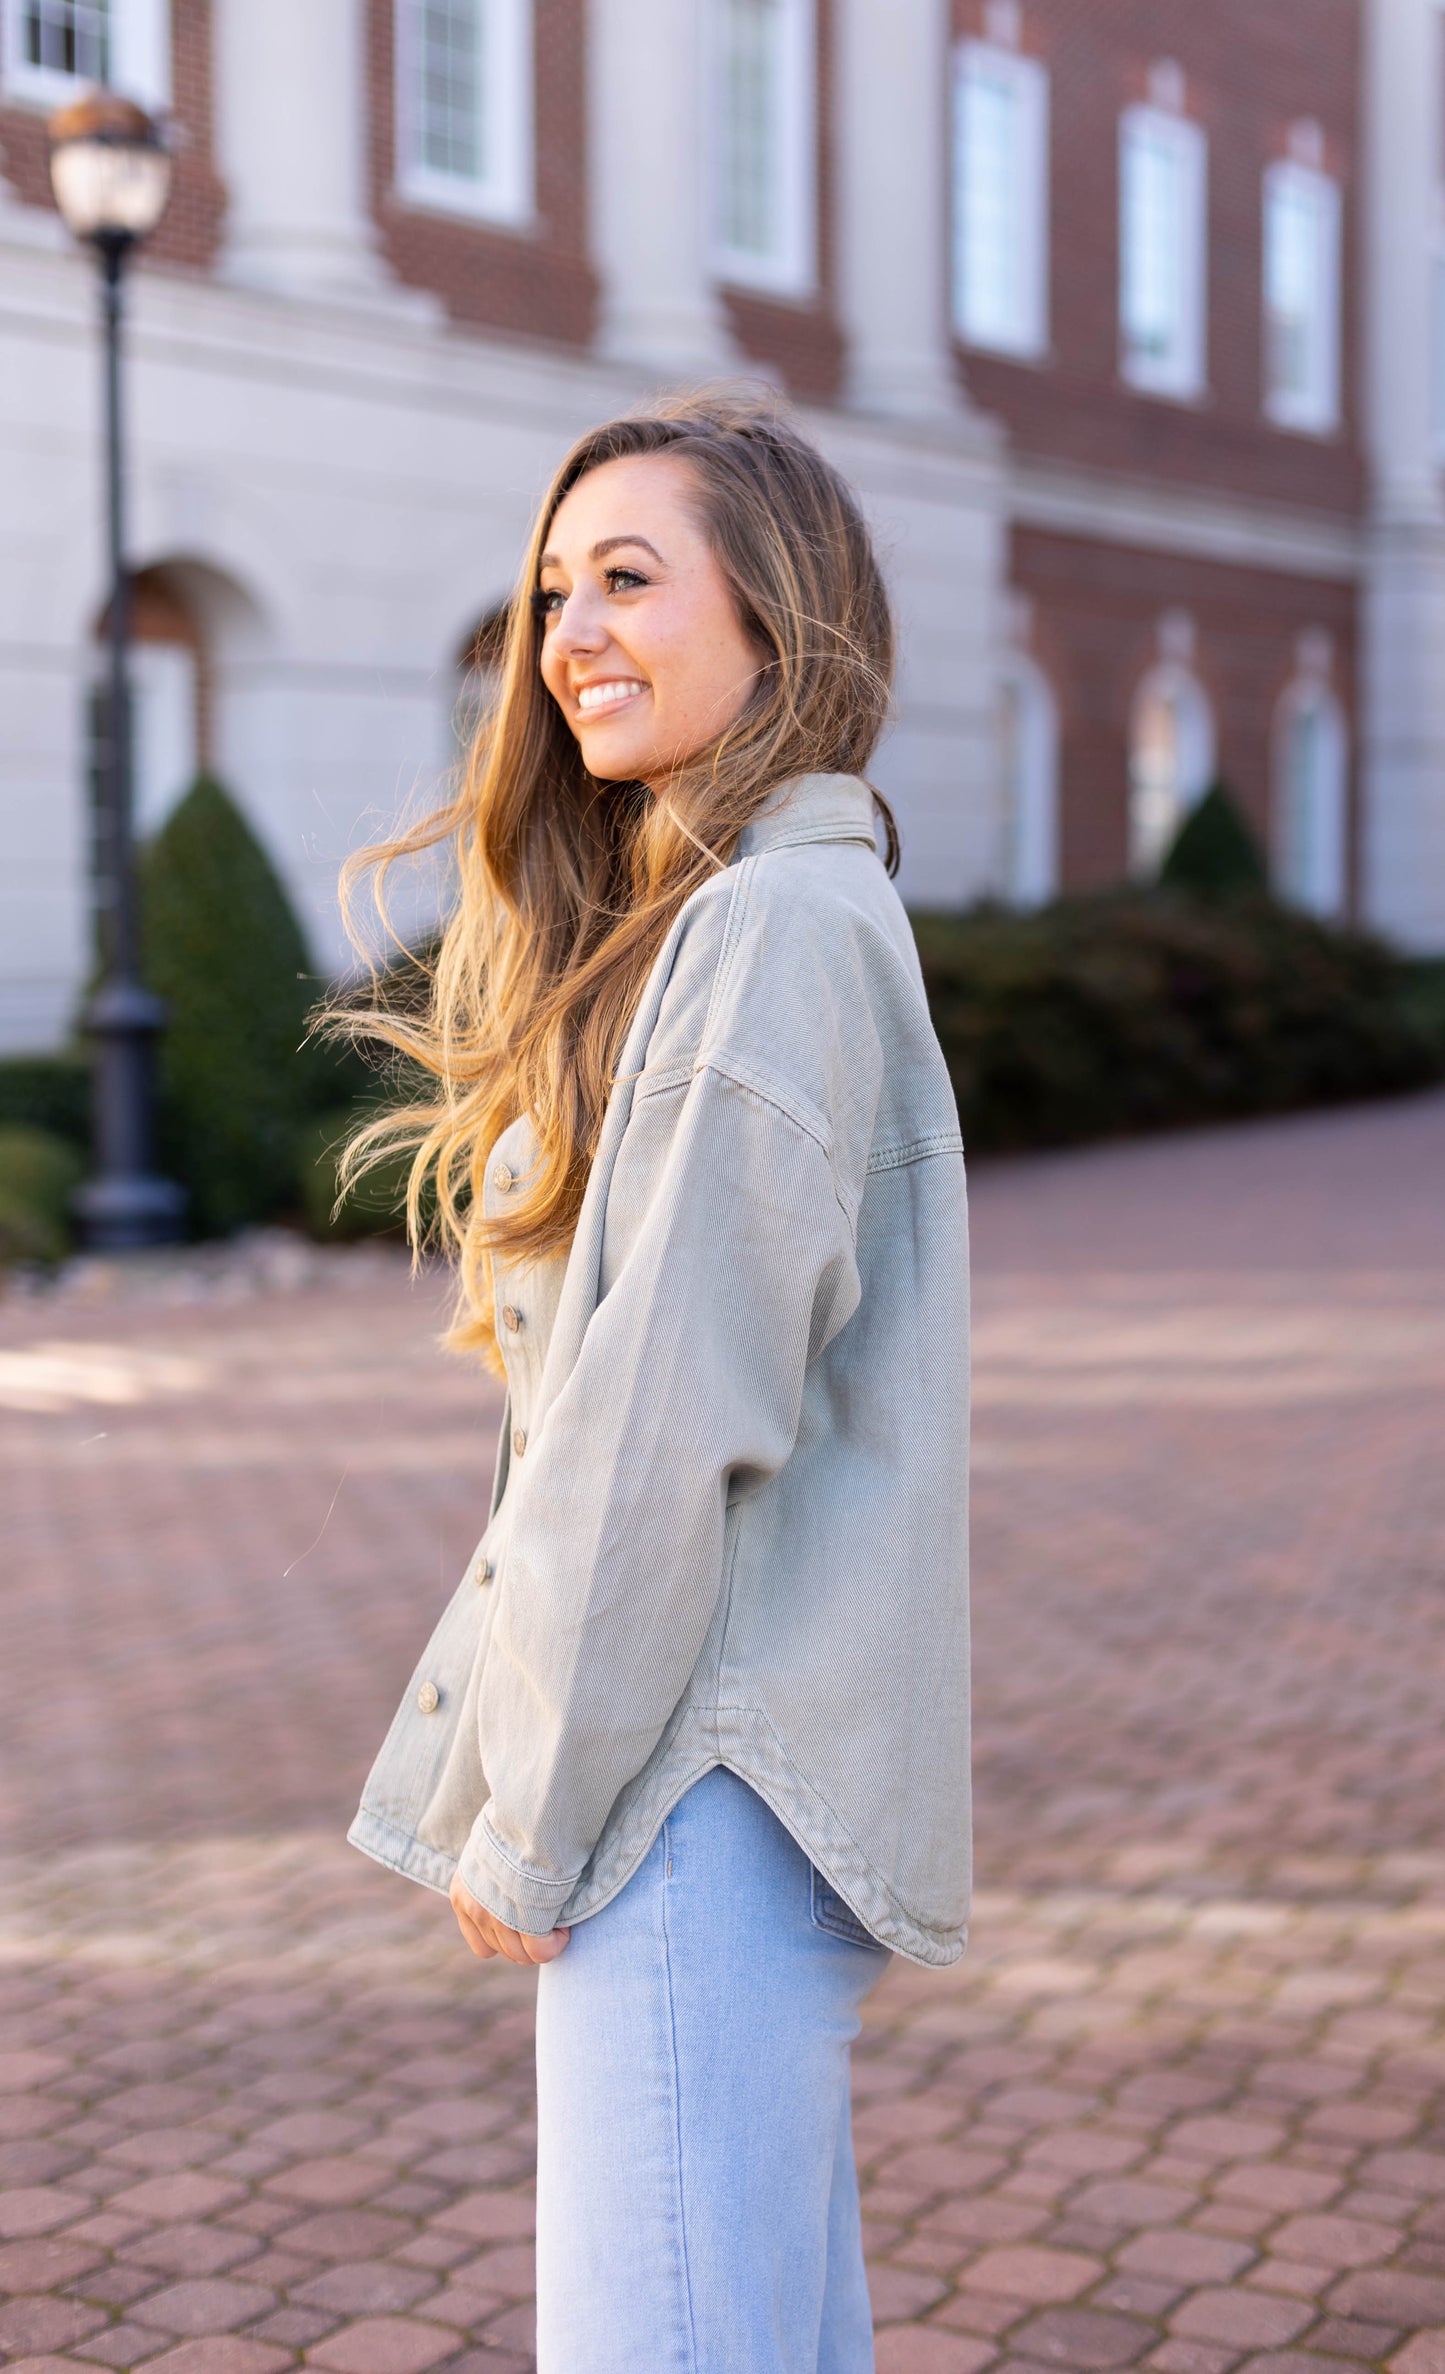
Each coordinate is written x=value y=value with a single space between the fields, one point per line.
x=697 y=2204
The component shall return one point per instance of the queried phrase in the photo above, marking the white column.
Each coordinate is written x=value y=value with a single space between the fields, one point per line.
x=1403 y=621
x=647 y=137
x=892 y=183
x=291 y=126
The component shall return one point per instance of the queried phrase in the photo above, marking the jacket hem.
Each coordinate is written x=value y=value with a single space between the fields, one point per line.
x=744 y=1741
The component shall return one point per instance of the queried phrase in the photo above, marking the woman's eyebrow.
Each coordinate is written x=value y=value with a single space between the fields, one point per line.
x=550 y=560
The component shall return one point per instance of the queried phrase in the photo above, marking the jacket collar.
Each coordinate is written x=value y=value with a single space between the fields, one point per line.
x=811 y=808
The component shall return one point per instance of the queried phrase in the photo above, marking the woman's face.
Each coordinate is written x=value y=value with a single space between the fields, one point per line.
x=642 y=649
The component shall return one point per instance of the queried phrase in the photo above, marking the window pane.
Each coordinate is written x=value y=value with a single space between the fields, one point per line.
x=67 y=36
x=752 y=37
x=1293 y=287
x=991 y=202
x=1153 y=233
x=449 y=97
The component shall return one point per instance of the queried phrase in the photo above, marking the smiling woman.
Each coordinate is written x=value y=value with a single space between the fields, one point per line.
x=695 y=1145
x=643 y=649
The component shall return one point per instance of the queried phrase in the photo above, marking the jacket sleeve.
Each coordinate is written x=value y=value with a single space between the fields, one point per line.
x=686 y=1392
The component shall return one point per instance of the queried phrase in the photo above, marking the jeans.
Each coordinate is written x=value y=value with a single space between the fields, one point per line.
x=697 y=2204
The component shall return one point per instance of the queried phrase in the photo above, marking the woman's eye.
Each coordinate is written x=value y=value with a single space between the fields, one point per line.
x=547 y=602
x=623 y=580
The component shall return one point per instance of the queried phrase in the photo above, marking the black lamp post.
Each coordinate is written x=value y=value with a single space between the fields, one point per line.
x=111 y=174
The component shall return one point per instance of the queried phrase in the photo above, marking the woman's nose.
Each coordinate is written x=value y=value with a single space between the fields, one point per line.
x=578 y=625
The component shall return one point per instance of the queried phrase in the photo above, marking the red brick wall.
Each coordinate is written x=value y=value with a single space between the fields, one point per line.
x=536 y=283
x=802 y=343
x=1096 y=609
x=190 y=228
x=1251 y=67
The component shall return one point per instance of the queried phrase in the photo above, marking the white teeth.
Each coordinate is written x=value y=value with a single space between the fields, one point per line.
x=597 y=696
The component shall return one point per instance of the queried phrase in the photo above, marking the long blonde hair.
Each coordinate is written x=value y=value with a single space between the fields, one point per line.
x=566 y=886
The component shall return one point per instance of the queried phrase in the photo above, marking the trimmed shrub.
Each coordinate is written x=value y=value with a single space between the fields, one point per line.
x=1140 y=1010
x=376 y=1205
x=1214 y=854
x=224 y=949
x=48 y=1092
x=39 y=1172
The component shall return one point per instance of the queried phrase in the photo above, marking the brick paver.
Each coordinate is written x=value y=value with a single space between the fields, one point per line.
x=1182 y=2107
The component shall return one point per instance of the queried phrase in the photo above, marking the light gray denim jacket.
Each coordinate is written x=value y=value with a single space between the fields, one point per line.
x=729 y=1523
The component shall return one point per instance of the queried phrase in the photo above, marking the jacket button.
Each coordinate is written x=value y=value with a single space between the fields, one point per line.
x=519 y=1440
x=484 y=1570
x=428 y=1698
x=511 y=1318
x=502 y=1179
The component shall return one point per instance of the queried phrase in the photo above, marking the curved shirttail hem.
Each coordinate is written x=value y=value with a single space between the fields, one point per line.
x=743 y=1740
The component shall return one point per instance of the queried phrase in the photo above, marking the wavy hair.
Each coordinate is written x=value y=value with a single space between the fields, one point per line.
x=566 y=886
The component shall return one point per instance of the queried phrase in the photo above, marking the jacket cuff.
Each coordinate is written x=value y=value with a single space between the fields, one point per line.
x=528 y=1901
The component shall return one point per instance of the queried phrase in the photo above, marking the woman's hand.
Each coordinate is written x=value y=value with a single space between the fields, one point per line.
x=486 y=1935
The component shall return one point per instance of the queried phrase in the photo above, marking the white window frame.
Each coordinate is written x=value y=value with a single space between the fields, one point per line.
x=1025 y=204
x=1179 y=373
x=506 y=192
x=1315 y=410
x=1310 y=870
x=1028 y=863
x=791 y=268
x=140 y=58
x=1150 y=836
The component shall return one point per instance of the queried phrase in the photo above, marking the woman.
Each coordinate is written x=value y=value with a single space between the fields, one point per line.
x=692 y=1735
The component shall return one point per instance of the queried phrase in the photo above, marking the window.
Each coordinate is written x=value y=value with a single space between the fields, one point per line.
x=1162 y=171
x=1171 y=761
x=1309 y=799
x=764 y=144
x=55 y=48
x=1001 y=199
x=464 y=106
x=1301 y=297
x=1029 y=854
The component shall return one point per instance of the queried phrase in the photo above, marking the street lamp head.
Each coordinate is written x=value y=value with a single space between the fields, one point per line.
x=110 y=170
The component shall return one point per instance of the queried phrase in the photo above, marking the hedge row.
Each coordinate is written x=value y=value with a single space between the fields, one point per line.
x=1196 y=1001
x=1135 y=1011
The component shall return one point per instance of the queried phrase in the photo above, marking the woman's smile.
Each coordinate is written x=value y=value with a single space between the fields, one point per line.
x=608 y=694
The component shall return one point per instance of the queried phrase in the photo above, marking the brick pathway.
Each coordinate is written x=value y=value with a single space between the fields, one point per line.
x=1183 y=2105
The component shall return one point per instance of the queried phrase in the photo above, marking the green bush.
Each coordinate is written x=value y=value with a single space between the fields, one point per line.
x=49 y=1092
x=39 y=1172
x=1142 y=1010
x=1214 y=854
x=237 y=1081
x=376 y=1205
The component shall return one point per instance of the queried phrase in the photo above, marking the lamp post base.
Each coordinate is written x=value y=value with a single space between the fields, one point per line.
x=125 y=1213
x=125 y=1207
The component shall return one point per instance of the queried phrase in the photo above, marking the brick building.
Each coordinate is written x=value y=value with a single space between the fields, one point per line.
x=1119 y=312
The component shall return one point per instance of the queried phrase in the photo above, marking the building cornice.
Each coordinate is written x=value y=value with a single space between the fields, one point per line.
x=1203 y=525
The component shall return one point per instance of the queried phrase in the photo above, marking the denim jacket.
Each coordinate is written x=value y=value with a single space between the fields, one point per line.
x=729 y=1521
